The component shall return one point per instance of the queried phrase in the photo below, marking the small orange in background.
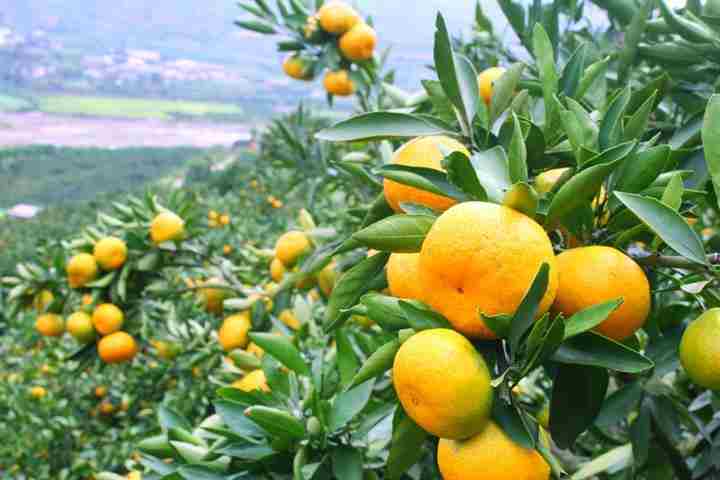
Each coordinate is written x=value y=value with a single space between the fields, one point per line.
x=107 y=318
x=289 y=319
x=254 y=380
x=339 y=83
x=227 y=249
x=38 y=392
x=107 y=408
x=337 y=17
x=486 y=82
x=87 y=299
x=81 y=269
x=298 y=68
x=50 y=325
x=290 y=246
x=101 y=391
x=80 y=326
x=225 y=219
x=234 y=330
x=213 y=298
x=117 y=347
x=42 y=300
x=110 y=253
x=277 y=270
x=358 y=43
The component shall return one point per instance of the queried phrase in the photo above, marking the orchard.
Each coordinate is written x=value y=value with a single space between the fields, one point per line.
x=510 y=273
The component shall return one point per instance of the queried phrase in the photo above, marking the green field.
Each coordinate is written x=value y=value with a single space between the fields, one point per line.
x=97 y=106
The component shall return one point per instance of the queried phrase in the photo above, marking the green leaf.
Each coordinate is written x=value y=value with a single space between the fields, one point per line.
x=276 y=421
x=573 y=71
x=577 y=397
x=616 y=460
x=499 y=324
x=660 y=84
x=243 y=451
x=348 y=404
x=590 y=317
x=523 y=198
x=461 y=173
x=491 y=167
x=640 y=433
x=517 y=166
x=256 y=26
x=347 y=361
x=510 y=421
x=378 y=363
x=667 y=224
x=379 y=126
x=591 y=349
x=544 y=340
x=591 y=74
x=636 y=175
x=406 y=446
x=428 y=179
x=350 y=287
x=233 y=415
x=347 y=463
x=282 y=349
x=611 y=126
x=673 y=194
x=422 y=317
x=711 y=141
x=503 y=90
x=169 y=418
x=633 y=35
x=543 y=51
x=399 y=233
x=617 y=406
x=526 y=312
x=637 y=124
x=385 y=311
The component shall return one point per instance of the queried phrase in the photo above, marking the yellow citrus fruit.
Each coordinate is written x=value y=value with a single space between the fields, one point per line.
x=225 y=219
x=427 y=152
x=700 y=350
x=165 y=350
x=338 y=83
x=490 y=454
x=166 y=227
x=545 y=182
x=443 y=383
x=296 y=67
x=107 y=318
x=100 y=391
x=290 y=246
x=107 y=408
x=42 y=300
x=117 y=347
x=486 y=82
x=326 y=278
x=277 y=270
x=38 y=392
x=213 y=215
x=254 y=380
x=255 y=350
x=134 y=475
x=481 y=257
x=80 y=326
x=358 y=43
x=337 y=17
x=403 y=270
x=288 y=318
x=234 y=330
x=593 y=275
x=50 y=325
x=81 y=269
x=213 y=298
x=110 y=253
x=87 y=299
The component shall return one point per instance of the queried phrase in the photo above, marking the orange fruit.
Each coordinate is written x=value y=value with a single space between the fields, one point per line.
x=339 y=83
x=80 y=326
x=110 y=253
x=443 y=383
x=166 y=227
x=298 y=68
x=290 y=246
x=234 y=330
x=593 y=275
x=166 y=350
x=490 y=454
x=117 y=347
x=107 y=318
x=81 y=269
x=545 y=182
x=87 y=299
x=50 y=325
x=358 y=43
x=38 y=392
x=100 y=391
x=254 y=380
x=42 y=300
x=225 y=219
x=403 y=271
x=213 y=215
x=421 y=152
x=486 y=82
x=289 y=319
x=337 y=17
x=255 y=350
x=326 y=278
x=213 y=298
x=107 y=408
x=481 y=258
x=277 y=270
x=700 y=350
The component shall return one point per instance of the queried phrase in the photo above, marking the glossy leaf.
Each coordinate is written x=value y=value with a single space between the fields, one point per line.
x=543 y=51
x=348 y=404
x=379 y=126
x=528 y=308
x=595 y=350
x=422 y=317
x=504 y=89
x=711 y=142
x=385 y=311
x=619 y=404
x=509 y=420
x=573 y=71
x=611 y=126
x=406 y=446
x=517 y=154
x=590 y=317
x=399 y=233
x=491 y=167
x=282 y=349
x=428 y=179
x=378 y=363
x=461 y=173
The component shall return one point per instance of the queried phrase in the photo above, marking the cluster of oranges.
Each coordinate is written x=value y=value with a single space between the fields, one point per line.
x=355 y=39
x=218 y=220
x=233 y=335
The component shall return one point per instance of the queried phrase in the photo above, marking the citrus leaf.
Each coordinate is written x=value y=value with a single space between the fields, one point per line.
x=379 y=126
x=590 y=317
x=525 y=314
x=711 y=141
x=508 y=418
x=428 y=179
x=517 y=156
x=422 y=317
x=378 y=363
x=348 y=404
x=491 y=167
x=591 y=349
x=399 y=233
x=461 y=173
x=572 y=73
x=611 y=125
x=282 y=349
x=406 y=446
x=503 y=90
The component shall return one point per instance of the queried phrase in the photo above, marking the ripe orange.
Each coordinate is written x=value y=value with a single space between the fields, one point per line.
x=326 y=278
x=597 y=274
x=107 y=408
x=50 y=325
x=421 y=152
x=234 y=330
x=80 y=326
x=100 y=391
x=107 y=318
x=254 y=380
x=490 y=454
x=110 y=253
x=290 y=246
x=213 y=298
x=81 y=269
x=277 y=270
x=339 y=83
x=358 y=43
x=117 y=347
x=42 y=300
x=443 y=383
x=255 y=350
x=481 y=257
x=486 y=82
x=166 y=227
x=225 y=219
x=403 y=271
x=700 y=350
x=288 y=318
x=337 y=17
x=227 y=249
x=38 y=392
x=296 y=67
x=545 y=182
